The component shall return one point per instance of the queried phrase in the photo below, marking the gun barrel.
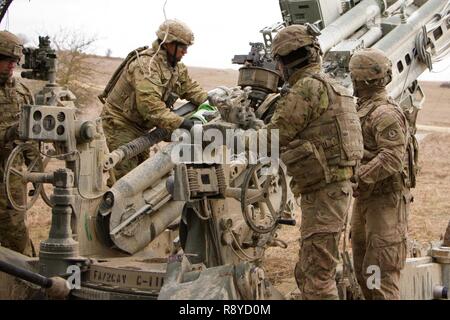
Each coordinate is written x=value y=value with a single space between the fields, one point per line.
x=401 y=42
x=373 y=35
x=146 y=174
x=350 y=22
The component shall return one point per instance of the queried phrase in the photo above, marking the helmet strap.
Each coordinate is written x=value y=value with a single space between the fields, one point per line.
x=365 y=89
x=289 y=69
x=4 y=77
x=297 y=63
x=287 y=72
x=174 y=61
x=171 y=57
x=301 y=58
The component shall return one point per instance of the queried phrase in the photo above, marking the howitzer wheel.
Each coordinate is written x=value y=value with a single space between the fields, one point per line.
x=265 y=192
x=25 y=158
x=43 y=193
x=48 y=151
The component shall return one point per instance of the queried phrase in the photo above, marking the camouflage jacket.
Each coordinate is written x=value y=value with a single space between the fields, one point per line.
x=140 y=95
x=13 y=94
x=306 y=100
x=385 y=133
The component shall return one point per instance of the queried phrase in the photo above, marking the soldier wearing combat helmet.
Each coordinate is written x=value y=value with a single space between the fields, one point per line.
x=13 y=94
x=381 y=208
x=141 y=93
x=321 y=144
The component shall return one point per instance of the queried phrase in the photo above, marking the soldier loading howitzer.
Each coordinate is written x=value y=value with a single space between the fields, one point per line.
x=142 y=91
x=26 y=166
x=260 y=75
x=41 y=64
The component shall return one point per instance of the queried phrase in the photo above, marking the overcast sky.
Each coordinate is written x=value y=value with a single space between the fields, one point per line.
x=222 y=28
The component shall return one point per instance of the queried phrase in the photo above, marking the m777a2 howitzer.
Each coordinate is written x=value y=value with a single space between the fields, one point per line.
x=214 y=219
x=414 y=34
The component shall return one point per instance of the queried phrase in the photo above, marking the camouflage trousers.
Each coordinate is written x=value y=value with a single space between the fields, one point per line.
x=13 y=229
x=379 y=227
x=324 y=214
x=118 y=134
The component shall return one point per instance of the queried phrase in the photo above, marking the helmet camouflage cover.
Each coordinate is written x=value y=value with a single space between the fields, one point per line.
x=293 y=38
x=370 y=64
x=10 y=45
x=175 y=30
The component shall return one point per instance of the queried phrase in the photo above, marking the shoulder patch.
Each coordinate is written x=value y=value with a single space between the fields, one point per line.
x=384 y=117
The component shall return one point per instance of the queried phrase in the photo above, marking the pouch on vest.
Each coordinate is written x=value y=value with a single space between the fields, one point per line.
x=350 y=134
x=303 y=162
x=413 y=160
x=344 y=122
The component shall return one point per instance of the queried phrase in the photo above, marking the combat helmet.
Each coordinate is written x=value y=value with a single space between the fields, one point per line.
x=10 y=45
x=370 y=64
x=293 y=38
x=175 y=30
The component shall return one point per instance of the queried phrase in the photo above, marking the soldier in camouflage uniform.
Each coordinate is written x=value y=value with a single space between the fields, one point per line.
x=13 y=94
x=143 y=90
x=321 y=143
x=379 y=221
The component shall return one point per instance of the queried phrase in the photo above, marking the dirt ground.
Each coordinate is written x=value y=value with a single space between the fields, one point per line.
x=430 y=211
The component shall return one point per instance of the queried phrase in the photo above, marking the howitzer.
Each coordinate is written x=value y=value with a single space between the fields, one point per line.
x=40 y=61
x=259 y=73
x=222 y=215
x=413 y=34
x=231 y=214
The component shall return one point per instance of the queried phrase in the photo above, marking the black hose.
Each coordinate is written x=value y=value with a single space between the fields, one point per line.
x=148 y=140
x=26 y=275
